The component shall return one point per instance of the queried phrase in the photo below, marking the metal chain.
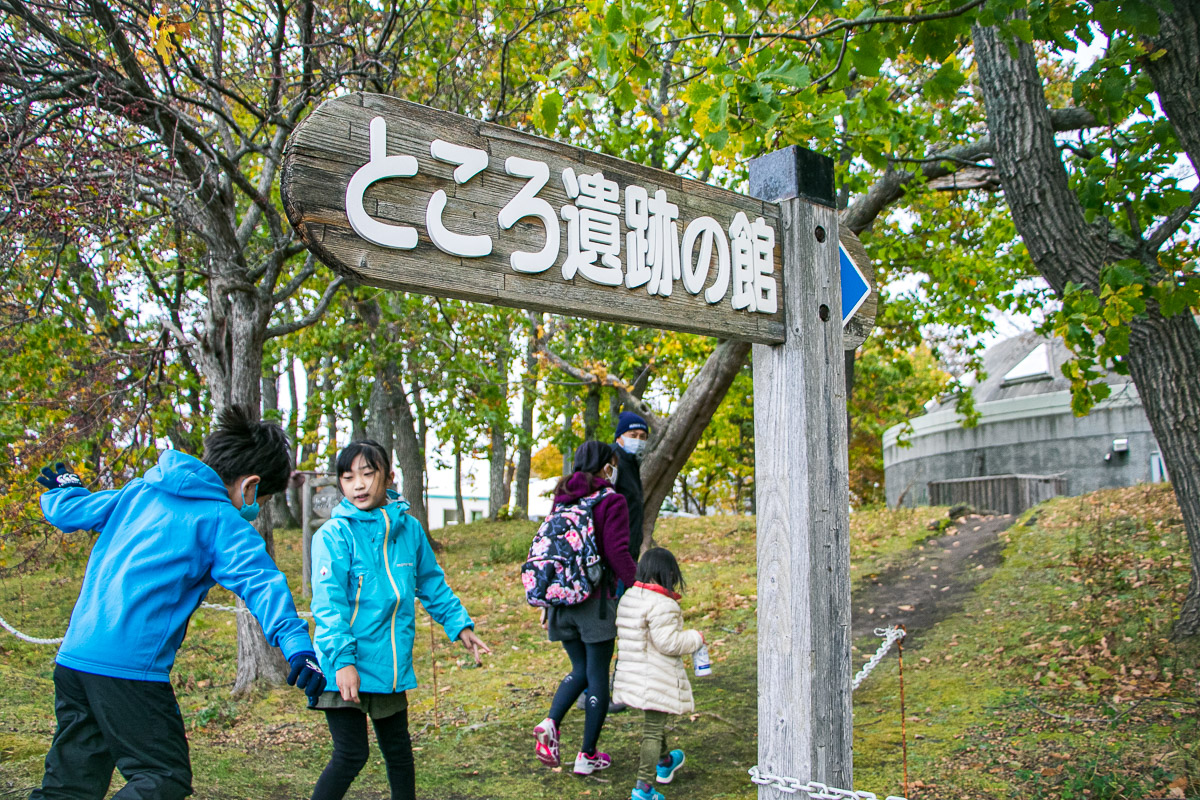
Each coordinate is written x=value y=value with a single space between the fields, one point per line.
x=815 y=790
x=213 y=606
x=890 y=636
x=820 y=791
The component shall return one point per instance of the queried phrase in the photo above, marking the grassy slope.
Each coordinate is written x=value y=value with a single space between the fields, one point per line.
x=983 y=715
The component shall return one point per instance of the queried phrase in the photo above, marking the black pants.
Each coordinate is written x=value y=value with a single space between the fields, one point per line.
x=106 y=722
x=589 y=670
x=348 y=726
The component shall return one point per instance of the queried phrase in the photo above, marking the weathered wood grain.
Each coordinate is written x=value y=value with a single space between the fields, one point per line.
x=326 y=150
x=801 y=480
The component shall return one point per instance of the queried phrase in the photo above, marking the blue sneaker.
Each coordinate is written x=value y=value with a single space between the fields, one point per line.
x=667 y=773
x=652 y=794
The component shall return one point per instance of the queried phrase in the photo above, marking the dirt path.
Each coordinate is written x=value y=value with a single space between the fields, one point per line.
x=933 y=585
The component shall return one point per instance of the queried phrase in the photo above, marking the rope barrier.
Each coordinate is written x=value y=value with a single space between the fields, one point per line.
x=212 y=606
x=25 y=638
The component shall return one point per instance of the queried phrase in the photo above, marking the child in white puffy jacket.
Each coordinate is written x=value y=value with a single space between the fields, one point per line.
x=650 y=674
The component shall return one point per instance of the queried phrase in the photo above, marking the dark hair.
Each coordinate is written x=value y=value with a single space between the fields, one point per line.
x=590 y=457
x=658 y=565
x=242 y=445
x=371 y=451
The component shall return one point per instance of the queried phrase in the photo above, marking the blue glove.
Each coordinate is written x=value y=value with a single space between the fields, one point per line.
x=59 y=477
x=306 y=673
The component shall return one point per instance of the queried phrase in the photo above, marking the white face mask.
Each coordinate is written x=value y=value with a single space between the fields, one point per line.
x=633 y=446
x=612 y=475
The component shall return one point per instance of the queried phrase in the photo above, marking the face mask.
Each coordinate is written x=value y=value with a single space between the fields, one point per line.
x=633 y=446
x=612 y=477
x=249 y=511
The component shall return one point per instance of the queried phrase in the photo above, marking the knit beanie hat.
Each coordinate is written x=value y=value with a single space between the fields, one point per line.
x=629 y=421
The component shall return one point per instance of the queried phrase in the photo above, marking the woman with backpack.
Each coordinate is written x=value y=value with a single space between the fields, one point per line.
x=587 y=628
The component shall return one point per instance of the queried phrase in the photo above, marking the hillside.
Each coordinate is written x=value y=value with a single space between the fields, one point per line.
x=1049 y=674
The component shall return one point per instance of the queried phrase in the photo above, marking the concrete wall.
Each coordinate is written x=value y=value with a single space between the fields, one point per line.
x=1036 y=435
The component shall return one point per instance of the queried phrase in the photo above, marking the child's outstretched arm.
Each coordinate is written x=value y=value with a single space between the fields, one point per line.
x=70 y=507
x=665 y=625
x=241 y=564
x=441 y=602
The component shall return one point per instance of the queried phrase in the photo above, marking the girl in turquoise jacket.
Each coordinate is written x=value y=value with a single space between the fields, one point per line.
x=370 y=561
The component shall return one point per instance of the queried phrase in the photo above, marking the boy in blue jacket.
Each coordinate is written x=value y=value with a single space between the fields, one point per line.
x=164 y=540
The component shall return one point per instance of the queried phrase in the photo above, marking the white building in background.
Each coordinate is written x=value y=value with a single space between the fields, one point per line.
x=441 y=502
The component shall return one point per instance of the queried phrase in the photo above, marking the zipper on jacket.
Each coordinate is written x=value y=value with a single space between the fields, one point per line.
x=357 y=596
x=387 y=528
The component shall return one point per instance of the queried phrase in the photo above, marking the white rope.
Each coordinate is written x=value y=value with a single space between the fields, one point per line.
x=213 y=606
x=815 y=790
x=24 y=638
x=243 y=609
x=890 y=637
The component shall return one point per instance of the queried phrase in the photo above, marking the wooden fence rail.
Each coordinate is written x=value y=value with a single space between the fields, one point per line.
x=1005 y=494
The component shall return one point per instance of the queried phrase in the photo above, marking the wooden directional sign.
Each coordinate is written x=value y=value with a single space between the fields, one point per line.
x=860 y=299
x=400 y=195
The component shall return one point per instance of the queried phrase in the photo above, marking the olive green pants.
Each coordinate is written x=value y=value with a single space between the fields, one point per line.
x=654 y=743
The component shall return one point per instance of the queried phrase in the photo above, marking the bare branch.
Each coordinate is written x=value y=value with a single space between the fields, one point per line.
x=541 y=344
x=1167 y=228
x=838 y=25
x=313 y=316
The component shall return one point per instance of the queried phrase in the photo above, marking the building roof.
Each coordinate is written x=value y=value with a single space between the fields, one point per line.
x=1027 y=364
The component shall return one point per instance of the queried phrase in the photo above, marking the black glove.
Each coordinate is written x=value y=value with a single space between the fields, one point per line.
x=59 y=477
x=306 y=673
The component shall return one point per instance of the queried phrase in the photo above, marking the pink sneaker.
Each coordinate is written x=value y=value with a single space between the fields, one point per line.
x=586 y=765
x=546 y=749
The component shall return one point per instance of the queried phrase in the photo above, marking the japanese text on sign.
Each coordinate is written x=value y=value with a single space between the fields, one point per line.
x=651 y=254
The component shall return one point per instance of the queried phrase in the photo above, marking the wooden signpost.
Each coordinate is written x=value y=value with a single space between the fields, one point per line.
x=398 y=195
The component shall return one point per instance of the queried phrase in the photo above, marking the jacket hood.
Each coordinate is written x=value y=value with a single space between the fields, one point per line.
x=348 y=510
x=186 y=476
x=581 y=484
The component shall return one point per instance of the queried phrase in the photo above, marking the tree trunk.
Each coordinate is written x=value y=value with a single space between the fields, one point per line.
x=410 y=455
x=525 y=446
x=460 y=507
x=331 y=417
x=231 y=358
x=281 y=515
x=379 y=424
x=568 y=453
x=1164 y=362
x=1164 y=357
x=497 y=458
x=312 y=414
x=670 y=446
x=1176 y=73
x=591 y=412
x=358 y=417
x=293 y=429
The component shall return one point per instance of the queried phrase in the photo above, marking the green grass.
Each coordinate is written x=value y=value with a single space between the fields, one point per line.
x=998 y=697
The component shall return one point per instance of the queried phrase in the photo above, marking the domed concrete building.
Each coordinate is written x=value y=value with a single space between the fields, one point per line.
x=1026 y=431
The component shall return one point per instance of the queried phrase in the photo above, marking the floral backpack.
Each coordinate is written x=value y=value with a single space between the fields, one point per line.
x=564 y=563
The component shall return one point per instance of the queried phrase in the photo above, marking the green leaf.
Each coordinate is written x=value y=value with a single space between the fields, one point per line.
x=718 y=114
x=549 y=108
x=792 y=73
x=614 y=20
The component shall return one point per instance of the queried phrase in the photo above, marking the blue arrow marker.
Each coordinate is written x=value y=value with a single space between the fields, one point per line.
x=855 y=289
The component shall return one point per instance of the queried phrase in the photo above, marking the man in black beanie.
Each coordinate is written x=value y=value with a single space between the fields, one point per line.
x=632 y=433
